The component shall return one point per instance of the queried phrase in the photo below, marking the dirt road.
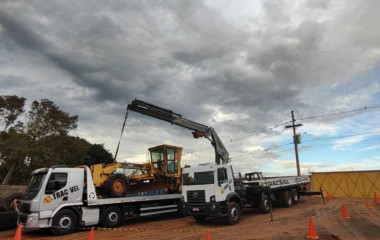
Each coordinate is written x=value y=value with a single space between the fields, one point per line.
x=289 y=223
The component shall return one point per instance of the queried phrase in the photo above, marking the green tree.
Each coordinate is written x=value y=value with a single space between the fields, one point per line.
x=98 y=154
x=43 y=142
x=14 y=151
x=11 y=107
x=46 y=119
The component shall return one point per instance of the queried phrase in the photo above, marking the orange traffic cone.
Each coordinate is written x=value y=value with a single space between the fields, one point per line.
x=377 y=201
x=312 y=232
x=368 y=204
x=328 y=197
x=344 y=212
x=208 y=236
x=91 y=236
x=18 y=233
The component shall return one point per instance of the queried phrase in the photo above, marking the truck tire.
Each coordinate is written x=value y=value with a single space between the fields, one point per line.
x=8 y=220
x=116 y=185
x=3 y=205
x=264 y=205
x=199 y=219
x=233 y=213
x=295 y=196
x=286 y=199
x=11 y=198
x=182 y=211
x=64 y=222
x=112 y=217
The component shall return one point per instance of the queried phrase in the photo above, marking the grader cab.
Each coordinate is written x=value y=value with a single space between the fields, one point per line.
x=163 y=171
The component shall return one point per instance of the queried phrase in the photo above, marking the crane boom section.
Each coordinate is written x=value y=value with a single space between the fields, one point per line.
x=199 y=130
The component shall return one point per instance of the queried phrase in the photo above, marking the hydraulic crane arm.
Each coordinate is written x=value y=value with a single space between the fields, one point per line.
x=198 y=130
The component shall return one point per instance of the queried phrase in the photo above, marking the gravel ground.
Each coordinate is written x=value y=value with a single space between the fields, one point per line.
x=288 y=223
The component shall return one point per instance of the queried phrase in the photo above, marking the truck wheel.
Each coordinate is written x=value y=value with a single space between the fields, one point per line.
x=286 y=199
x=112 y=217
x=116 y=185
x=64 y=222
x=233 y=213
x=199 y=219
x=182 y=210
x=264 y=205
x=295 y=196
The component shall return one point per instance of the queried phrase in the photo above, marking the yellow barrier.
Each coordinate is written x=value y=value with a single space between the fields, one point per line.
x=355 y=184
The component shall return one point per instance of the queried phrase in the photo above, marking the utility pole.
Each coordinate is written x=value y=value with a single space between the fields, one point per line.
x=295 y=142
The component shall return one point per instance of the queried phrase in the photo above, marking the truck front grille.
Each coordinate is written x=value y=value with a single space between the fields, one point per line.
x=196 y=197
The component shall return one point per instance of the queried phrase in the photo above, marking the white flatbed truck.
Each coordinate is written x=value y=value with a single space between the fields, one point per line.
x=210 y=190
x=64 y=199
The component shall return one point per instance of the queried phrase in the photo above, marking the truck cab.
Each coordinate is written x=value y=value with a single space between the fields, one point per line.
x=52 y=190
x=208 y=191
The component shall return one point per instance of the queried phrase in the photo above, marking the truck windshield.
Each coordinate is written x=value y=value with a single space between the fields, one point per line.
x=198 y=178
x=34 y=186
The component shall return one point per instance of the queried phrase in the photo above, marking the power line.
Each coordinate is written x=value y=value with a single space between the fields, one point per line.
x=330 y=144
x=344 y=136
x=262 y=131
x=310 y=146
x=261 y=151
x=341 y=112
x=284 y=123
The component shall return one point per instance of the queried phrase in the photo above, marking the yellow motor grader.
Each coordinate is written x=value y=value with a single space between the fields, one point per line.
x=163 y=171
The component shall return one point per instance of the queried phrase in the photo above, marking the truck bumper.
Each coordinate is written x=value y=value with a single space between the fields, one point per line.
x=31 y=221
x=208 y=209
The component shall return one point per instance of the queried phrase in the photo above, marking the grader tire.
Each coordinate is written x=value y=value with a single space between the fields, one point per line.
x=116 y=185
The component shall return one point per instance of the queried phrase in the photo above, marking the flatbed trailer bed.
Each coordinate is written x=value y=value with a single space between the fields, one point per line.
x=105 y=201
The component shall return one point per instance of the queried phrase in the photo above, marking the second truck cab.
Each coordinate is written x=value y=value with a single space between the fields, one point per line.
x=208 y=191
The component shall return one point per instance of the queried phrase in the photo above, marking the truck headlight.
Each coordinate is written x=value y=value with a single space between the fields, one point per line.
x=212 y=198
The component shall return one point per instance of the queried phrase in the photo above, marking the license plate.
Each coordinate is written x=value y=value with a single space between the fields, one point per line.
x=195 y=209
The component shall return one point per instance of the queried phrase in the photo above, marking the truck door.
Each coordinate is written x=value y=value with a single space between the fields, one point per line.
x=55 y=192
x=225 y=184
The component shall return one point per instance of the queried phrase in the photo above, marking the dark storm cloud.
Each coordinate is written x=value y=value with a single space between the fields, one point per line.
x=99 y=77
x=206 y=47
x=189 y=57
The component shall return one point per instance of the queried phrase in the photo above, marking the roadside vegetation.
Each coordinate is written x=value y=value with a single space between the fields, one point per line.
x=40 y=138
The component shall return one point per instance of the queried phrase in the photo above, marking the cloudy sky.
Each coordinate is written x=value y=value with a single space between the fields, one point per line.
x=238 y=66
